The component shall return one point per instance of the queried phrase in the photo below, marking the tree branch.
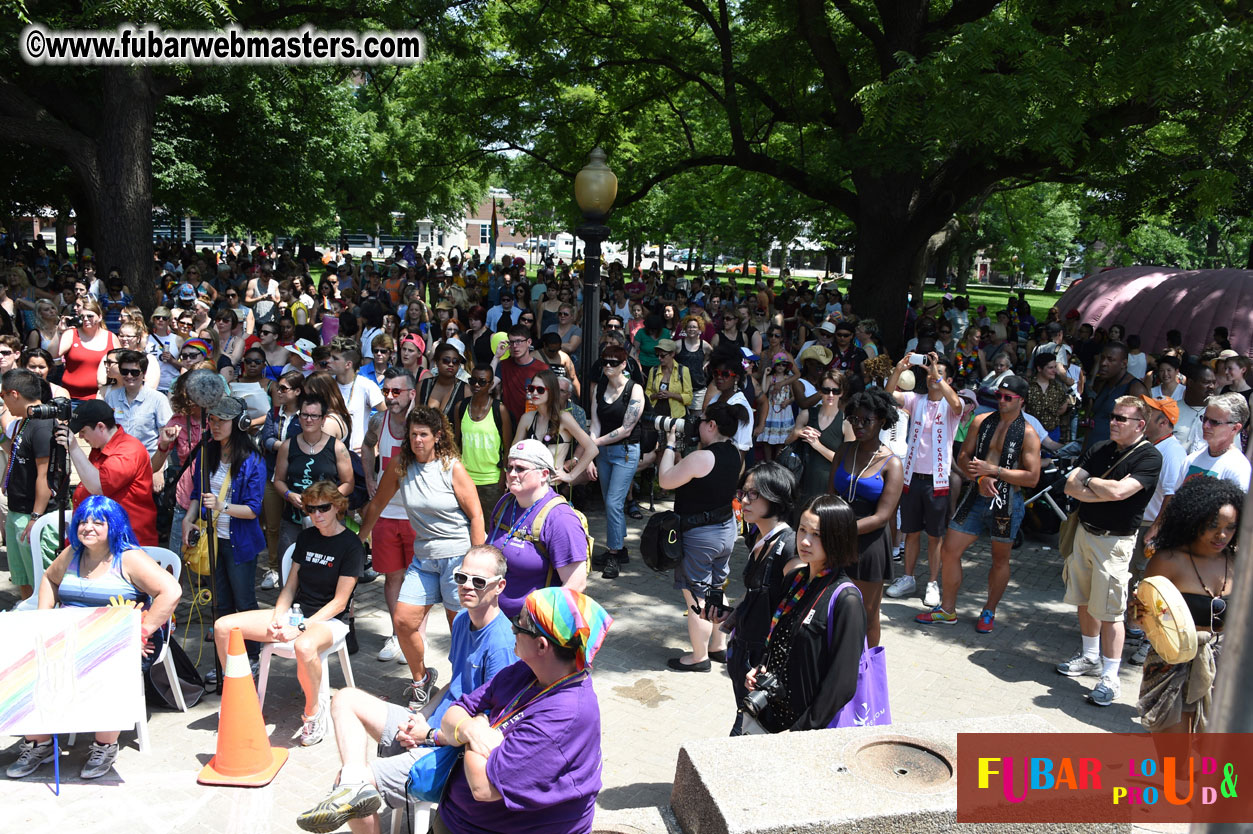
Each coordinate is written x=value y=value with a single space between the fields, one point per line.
x=826 y=55
x=864 y=25
x=28 y=122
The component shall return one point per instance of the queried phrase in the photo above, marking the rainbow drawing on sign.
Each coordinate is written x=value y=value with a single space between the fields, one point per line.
x=49 y=677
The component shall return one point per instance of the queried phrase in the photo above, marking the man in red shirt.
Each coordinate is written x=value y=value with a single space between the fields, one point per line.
x=515 y=372
x=118 y=467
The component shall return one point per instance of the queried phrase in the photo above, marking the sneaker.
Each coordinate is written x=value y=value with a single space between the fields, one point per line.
x=1135 y=633
x=1106 y=692
x=611 y=569
x=902 y=587
x=343 y=803
x=369 y=575
x=100 y=759
x=270 y=580
x=419 y=692
x=937 y=616
x=313 y=729
x=931 y=598
x=898 y=555
x=211 y=677
x=1141 y=653
x=32 y=757
x=1078 y=665
x=390 y=650
x=984 y=623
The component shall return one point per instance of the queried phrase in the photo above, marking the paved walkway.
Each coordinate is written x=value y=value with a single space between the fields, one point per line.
x=648 y=711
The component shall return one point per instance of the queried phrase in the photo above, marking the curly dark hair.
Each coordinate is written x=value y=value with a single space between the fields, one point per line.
x=1193 y=507
x=877 y=401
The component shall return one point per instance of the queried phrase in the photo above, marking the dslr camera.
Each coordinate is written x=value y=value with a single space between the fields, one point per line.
x=768 y=688
x=59 y=408
x=664 y=424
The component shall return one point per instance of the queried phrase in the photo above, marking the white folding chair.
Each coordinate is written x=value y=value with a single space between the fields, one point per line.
x=269 y=650
x=36 y=556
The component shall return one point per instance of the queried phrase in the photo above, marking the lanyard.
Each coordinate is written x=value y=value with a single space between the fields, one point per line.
x=800 y=583
x=520 y=523
x=513 y=708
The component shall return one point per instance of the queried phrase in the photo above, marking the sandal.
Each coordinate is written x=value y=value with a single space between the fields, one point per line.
x=633 y=510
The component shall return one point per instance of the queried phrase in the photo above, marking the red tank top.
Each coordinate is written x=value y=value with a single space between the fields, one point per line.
x=81 y=364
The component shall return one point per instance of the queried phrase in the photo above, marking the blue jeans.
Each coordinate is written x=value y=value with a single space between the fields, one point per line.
x=235 y=586
x=615 y=467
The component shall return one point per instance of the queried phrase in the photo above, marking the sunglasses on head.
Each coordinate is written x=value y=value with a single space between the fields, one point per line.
x=478 y=583
x=310 y=509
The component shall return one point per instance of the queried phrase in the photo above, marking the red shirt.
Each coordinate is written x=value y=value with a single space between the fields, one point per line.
x=514 y=379
x=126 y=477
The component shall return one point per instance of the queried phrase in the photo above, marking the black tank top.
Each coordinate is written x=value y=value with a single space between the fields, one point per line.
x=304 y=469
x=483 y=352
x=715 y=490
x=694 y=361
x=612 y=414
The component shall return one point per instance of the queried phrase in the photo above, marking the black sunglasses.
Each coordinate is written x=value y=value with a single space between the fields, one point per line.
x=130 y=372
x=310 y=509
x=475 y=382
x=613 y=363
x=826 y=390
x=519 y=629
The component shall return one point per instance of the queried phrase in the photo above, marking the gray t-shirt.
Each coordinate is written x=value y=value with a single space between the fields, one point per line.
x=441 y=528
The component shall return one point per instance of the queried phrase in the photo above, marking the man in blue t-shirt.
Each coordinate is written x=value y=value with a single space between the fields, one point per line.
x=482 y=645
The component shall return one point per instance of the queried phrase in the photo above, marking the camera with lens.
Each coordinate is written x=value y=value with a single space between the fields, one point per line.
x=664 y=424
x=767 y=689
x=73 y=321
x=193 y=537
x=59 y=408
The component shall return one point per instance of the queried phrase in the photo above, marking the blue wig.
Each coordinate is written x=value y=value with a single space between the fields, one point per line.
x=100 y=508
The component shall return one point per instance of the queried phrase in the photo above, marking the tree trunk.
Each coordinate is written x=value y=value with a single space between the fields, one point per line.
x=63 y=226
x=886 y=259
x=1248 y=262
x=1211 y=247
x=1050 y=285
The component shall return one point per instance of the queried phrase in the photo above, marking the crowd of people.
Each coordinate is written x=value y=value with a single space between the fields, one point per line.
x=420 y=420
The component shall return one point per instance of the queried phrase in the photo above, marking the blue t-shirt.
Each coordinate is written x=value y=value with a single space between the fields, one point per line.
x=483 y=653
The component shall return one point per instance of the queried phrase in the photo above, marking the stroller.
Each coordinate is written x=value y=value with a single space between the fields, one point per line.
x=1047 y=505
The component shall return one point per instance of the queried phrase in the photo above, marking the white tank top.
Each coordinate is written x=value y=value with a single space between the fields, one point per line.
x=388 y=446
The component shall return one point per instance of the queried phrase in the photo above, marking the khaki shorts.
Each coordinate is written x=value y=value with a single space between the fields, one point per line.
x=1097 y=572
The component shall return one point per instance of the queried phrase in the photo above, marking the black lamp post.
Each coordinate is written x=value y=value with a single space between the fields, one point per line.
x=595 y=188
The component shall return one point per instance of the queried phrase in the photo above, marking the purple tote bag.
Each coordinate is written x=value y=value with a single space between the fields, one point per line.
x=869 y=705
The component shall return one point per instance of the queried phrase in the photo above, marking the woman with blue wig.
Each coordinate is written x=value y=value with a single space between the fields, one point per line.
x=103 y=562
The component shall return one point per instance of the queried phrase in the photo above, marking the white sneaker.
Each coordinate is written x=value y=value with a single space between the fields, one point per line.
x=390 y=650
x=1106 y=692
x=932 y=597
x=313 y=729
x=270 y=580
x=902 y=587
x=1079 y=665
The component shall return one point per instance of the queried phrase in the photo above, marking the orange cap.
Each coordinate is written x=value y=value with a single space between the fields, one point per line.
x=1166 y=405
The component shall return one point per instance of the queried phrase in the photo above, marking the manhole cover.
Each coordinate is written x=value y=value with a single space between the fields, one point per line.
x=902 y=765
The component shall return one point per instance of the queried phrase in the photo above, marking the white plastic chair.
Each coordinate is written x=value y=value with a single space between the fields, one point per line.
x=413 y=807
x=268 y=650
x=36 y=557
x=170 y=562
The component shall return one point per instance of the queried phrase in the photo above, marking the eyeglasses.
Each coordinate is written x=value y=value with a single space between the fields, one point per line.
x=1008 y=398
x=613 y=363
x=613 y=327
x=830 y=392
x=6 y=353
x=287 y=389
x=861 y=421
x=382 y=352
x=1206 y=421
x=310 y=509
x=478 y=583
x=189 y=356
x=518 y=628
x=232 y=295
x=394 y=392
x=476 y=382
x=525 y=321
x=325 y=363
x=518 y=341
x=536 y=389
x=252 y=360
x=516 y=469
x=747 y=496
x=563 y=315
x=269 y=332
x=304 y=416
x=724 y=374
x=1122 y=418
x=130 y=372
x=160 y=318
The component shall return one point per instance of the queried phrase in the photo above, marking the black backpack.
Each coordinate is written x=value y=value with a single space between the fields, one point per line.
x=661 y=543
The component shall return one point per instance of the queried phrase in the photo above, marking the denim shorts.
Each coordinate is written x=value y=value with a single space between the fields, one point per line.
x=428 y=581
x=979 y=520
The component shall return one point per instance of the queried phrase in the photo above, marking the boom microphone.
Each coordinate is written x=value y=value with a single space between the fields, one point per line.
x=205 y=388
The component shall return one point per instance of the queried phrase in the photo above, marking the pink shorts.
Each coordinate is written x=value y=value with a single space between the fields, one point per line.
x=391 y=544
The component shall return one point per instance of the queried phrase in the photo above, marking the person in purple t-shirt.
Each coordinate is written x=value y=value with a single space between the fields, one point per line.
x=532 y=763
x=559 y=557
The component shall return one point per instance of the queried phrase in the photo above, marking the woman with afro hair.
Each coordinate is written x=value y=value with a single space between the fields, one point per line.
x=1195 y=550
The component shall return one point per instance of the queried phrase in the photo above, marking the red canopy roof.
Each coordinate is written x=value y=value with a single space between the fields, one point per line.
x=1149 y=300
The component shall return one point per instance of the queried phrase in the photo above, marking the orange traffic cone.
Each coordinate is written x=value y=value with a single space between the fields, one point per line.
x=244 y=755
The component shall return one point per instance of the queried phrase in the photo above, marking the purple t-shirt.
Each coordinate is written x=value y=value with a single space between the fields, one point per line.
x=562 y=534
x=547 y=769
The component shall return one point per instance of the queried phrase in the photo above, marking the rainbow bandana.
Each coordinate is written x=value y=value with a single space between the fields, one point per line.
x=570 y=618
x=200 y=345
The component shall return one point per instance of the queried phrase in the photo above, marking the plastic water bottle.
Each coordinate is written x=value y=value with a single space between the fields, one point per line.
x=295 y=616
